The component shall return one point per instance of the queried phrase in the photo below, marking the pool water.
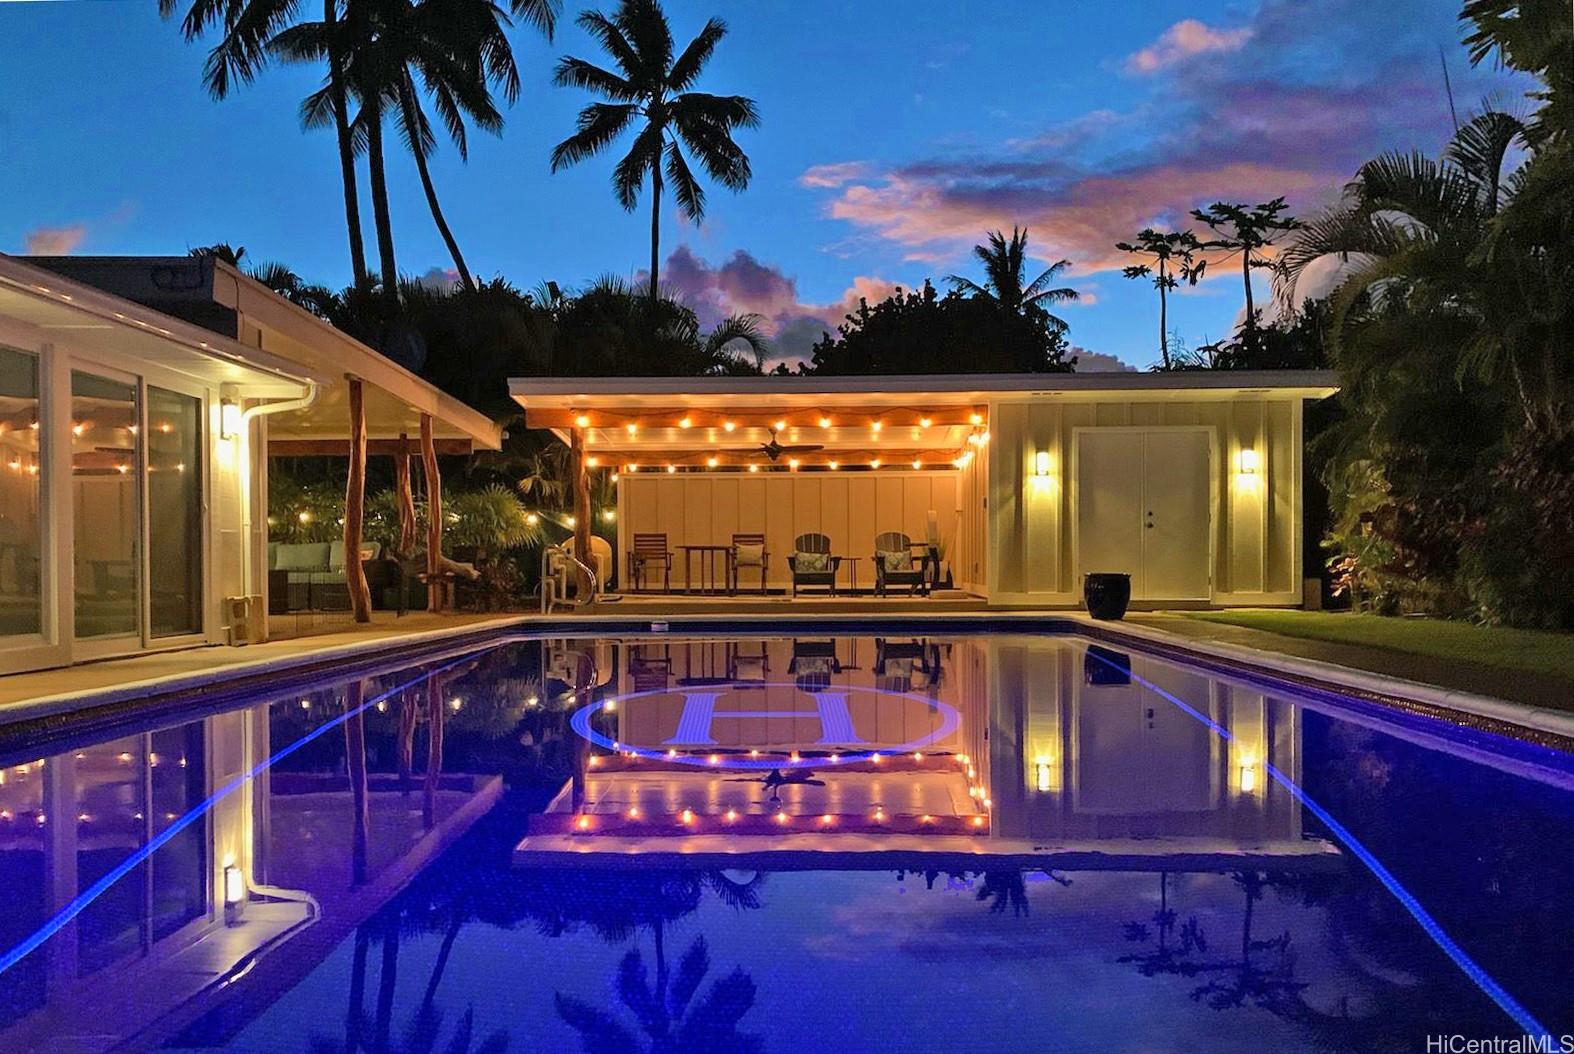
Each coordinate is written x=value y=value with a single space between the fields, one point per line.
x=701 y=843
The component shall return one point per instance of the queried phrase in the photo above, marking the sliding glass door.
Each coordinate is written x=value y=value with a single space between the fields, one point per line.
x=21 y=514
x=105 y=475
x=174 y=513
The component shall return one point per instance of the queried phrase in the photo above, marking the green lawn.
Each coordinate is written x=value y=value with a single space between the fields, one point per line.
x=1529 y=651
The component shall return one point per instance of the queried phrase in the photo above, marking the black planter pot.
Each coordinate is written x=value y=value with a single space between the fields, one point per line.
x=1107 y=595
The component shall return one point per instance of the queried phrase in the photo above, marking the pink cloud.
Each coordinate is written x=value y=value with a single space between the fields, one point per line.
x=1080 y=220
x=834 y=174
x=742 y=284
x=1183 y=40
x=1265 y=123
x=55 y=241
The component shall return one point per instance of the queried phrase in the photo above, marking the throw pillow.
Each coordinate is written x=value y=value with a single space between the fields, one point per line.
x=811 y=563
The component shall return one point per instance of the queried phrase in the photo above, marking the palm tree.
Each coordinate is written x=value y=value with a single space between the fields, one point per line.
x=1416 y=235
x=249 y=26
x=1248 y=229
x=651 y=86
x=1175 y=257
x=393 y=50
x=1005 y=274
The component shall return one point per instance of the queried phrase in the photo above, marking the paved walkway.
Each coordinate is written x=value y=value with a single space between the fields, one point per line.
x=112 y=673
x=1534 y=689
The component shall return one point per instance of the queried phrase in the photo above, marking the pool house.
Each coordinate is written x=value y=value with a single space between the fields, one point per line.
x=140 y=401
x=1006 y=489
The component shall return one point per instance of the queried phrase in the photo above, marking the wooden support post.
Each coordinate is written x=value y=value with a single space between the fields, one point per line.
x=355 y=761
x=581 y=483
x=355 y=508
x=436 y=588
x=404 y=498
x=434 y=750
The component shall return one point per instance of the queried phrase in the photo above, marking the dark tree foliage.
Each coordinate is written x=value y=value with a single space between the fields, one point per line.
x=1451 y=467
x=924 y=332
x=1296 y=343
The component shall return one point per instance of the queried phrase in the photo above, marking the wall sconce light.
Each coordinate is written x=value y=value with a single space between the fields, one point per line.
x=1247 y=462
x=1041 y=464
x=229 y=419
x=234 y=895
x=1248 y=766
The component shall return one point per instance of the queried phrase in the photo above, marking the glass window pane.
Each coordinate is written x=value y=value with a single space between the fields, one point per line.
x=111 y=825
x=24 y=872
x=21 y=539
x=174 y=512
x=180 y=865
x=104 y=495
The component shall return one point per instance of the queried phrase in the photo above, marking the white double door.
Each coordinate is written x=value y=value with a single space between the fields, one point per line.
x=1145 y=508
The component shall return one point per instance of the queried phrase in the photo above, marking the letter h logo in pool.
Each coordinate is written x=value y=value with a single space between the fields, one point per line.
x=699 y=711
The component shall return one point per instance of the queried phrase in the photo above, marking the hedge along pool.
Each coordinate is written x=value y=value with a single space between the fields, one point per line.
x=879 y=840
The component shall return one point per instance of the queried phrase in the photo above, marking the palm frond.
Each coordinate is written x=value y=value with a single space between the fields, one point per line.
x=686 y=190
x=1479 y=148
x=739 y=328
x=687 y=69
x=542 y=14
x=610 y=36
x=643 y=157
x=577 y=73
x=599 y=124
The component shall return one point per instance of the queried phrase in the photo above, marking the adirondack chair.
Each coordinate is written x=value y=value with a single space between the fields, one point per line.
x=894 y=564
x=812 y=563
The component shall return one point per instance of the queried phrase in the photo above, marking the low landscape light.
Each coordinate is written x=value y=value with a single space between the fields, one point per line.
x=234 y=894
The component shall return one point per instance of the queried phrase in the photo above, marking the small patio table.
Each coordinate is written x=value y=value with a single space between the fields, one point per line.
x=710 y=556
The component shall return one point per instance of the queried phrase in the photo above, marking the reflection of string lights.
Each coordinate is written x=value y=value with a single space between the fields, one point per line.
x=948 y=721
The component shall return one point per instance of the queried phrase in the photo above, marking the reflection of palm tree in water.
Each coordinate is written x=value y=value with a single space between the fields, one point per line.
x=1270 y=984
x=667 y=1010
x=666 y=1007
x=422 y=1036
x=776 y=780
x=1264 y=975
x=616 y=905
x=1166 y=957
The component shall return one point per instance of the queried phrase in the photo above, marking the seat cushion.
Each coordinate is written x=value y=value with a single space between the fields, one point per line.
x=336 y=555
x=303 y=556
x=896 y=562
x=811 y=563
x=749 y=555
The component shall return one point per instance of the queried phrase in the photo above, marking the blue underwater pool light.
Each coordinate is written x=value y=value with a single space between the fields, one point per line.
x=80 y=903
x=1429 y=925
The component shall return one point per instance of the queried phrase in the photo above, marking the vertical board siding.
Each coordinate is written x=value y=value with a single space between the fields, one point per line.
x=695 y=509
x=1283 y=489
x=1256 y=524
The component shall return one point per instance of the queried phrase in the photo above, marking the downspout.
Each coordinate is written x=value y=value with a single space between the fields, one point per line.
x=243 y=439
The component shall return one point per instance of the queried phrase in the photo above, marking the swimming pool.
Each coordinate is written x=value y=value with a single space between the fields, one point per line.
x=909 y=839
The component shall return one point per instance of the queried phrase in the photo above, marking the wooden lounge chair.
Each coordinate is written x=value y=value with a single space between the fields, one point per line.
x=894 y=564
x=748 y=550
x=812 y=563
x=650 y=551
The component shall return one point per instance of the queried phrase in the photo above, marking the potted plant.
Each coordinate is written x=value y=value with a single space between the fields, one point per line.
x=1107 y=593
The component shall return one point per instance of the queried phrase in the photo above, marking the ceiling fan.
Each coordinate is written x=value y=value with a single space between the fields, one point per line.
x=773 y=450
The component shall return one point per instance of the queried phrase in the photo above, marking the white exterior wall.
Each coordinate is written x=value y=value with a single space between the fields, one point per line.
x=224 y=462
x=1255 y=533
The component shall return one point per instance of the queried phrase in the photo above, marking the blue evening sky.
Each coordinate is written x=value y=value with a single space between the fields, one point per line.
x=893 y=136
